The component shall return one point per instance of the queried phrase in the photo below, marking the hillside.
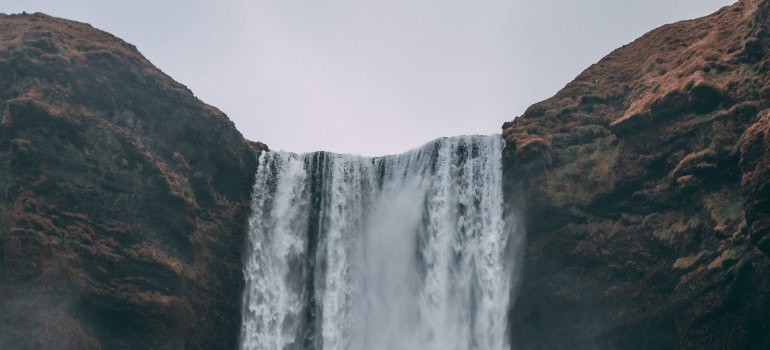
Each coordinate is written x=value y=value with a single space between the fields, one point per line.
x=123 y=198
x=647 y=198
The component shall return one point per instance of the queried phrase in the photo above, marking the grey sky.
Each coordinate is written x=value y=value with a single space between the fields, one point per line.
x=372 y=77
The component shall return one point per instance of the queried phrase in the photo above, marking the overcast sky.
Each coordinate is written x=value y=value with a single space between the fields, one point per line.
x=372 y=77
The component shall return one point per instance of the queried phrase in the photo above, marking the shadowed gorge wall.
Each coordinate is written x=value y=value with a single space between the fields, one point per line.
x=123 y=198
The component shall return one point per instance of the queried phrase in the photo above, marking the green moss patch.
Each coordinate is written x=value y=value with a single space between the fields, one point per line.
x=731 y=211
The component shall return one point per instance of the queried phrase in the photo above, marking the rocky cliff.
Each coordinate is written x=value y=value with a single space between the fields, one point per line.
x=123 y=198
x=647 y=186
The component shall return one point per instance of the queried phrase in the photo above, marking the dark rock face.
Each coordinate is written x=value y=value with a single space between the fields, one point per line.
x=647 y=184
x=123 y=198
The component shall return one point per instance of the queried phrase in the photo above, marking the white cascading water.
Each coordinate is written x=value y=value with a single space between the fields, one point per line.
x=410 y=251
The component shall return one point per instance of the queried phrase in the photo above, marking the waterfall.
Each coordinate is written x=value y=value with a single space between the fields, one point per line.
x=410 y=251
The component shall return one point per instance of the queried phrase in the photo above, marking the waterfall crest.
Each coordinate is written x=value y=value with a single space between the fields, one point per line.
x=410 y=251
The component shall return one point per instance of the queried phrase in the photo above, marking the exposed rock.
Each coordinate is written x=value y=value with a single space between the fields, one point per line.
x=648 y=221
x=123 y=198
